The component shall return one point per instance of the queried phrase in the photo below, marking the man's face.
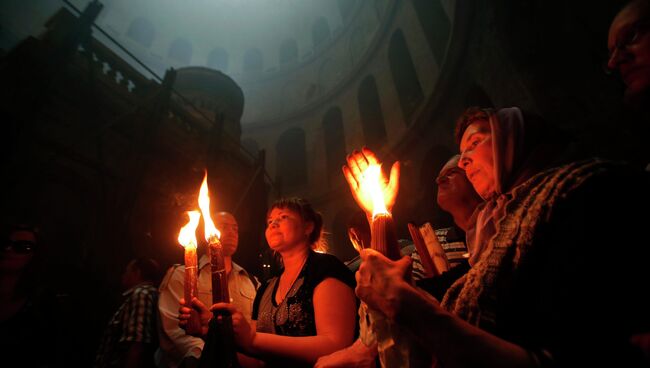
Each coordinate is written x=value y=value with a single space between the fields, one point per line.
x=453 y=187
x=229 y=229
x=17 y=251
x=477 y=158
x=629 y=47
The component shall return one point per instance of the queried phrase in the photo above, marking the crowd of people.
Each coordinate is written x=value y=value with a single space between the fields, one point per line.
x=545 y=283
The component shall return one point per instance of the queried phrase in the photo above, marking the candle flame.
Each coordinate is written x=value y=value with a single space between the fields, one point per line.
x=204 y=204
x=187 y=235
x=371 y=183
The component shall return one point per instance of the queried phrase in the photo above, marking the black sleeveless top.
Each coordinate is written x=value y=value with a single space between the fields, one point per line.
x=294 y=316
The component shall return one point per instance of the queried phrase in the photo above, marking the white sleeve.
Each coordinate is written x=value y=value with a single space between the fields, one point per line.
x=178 y=344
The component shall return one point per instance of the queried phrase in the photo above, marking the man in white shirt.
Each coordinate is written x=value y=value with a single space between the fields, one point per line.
x=177 y=349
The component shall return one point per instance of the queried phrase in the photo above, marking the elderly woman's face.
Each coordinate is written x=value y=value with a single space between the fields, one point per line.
x=629 y=47
x=476 y=157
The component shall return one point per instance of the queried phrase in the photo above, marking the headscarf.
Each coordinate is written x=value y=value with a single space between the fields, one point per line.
x=520 y=149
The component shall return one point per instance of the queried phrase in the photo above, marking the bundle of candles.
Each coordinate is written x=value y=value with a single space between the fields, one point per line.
x=219 y=349
x=396 y=348
x=382 y=229
x=187 y=239
x=219 y=277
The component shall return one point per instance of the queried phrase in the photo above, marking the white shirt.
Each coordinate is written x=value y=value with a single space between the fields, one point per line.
x=175 y=344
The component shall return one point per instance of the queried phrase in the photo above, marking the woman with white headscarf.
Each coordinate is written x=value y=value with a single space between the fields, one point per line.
x=545 y=288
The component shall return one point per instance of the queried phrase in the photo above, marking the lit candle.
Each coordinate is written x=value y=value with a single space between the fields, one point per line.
x=395 y=346
x=382 y=229
x=219 y=349
x=187 y=239
x=212 y=235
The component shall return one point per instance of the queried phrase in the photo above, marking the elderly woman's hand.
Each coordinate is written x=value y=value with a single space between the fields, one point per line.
x=242 y=329
x=194 y=320
x=380 y=282
x=357 y=163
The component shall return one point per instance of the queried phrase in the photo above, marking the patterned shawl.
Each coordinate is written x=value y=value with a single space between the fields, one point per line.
x=527 y=206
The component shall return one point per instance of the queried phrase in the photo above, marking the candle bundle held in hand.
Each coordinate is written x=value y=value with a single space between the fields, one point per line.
x=219 y=349
x=212 y=235
x=395 y=347
x=383 y=236
x=382 y=229
x=187 y=239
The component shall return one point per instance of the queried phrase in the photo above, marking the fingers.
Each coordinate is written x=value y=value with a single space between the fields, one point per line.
x=350 y=178
x=184 y=310
x=393 y=184
x=356 y=164
x=370 y=254
x=183 y=318
x=238 y=319
x=230 y=308
x=197 y=304
x=360 y=160
x=370 y=156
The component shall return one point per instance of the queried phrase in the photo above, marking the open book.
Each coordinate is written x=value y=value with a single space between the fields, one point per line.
x=439 y=250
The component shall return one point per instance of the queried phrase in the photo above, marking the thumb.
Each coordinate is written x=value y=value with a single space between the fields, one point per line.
x=404 y=265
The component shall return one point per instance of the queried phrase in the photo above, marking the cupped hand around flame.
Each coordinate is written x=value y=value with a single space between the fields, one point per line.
x=357 y=163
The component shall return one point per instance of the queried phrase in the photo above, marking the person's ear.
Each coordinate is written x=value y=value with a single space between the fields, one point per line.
x=309 y=227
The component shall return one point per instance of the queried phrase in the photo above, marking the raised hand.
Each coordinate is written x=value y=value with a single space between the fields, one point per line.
x=357 y=163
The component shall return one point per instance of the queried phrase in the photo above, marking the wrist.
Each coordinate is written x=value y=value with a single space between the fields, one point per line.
x=407 y=298
x=252 y=347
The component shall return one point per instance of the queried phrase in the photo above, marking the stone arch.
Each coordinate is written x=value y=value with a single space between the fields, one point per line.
x=181 y=51
x=345 y=8
x=253 y=61
x=320 y=32
x=288 y=51
x=372 y=118
x=334 y=144
x=341 y=245
x=142 y=31
x=292 y=158
x=218 y=59
x=404 y=75
x=435 y=25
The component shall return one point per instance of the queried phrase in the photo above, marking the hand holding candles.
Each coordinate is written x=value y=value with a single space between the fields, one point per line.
x=219 y=349
x=187 y=239
x=376 y=196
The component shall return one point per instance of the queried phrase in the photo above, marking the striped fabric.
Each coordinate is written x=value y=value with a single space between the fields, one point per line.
x=134 y=321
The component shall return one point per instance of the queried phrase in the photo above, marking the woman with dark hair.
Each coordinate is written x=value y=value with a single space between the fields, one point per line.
x=309 y=309
x=544 y=289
